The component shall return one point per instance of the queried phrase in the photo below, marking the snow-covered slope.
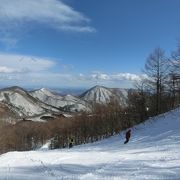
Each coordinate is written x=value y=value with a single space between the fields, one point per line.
x=97 y=94
x=68 y=102
x=45 y=96
x=121 y=95
x=152 y=153
x=103 y=95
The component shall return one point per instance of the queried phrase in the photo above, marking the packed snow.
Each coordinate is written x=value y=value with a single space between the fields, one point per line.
x=153 y=152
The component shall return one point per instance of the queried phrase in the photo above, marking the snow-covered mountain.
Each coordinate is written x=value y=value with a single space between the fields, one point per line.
x=6 y=114
x=103 y=95
x=21 y=103
x=46 y=96
x=121 y=95
x=37 y=103
x=68 y=102
x=153 y=152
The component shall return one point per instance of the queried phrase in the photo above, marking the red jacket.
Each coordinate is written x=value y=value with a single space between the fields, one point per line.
x=128 y=134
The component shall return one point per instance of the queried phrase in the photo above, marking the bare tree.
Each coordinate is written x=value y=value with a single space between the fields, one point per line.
x=137 y=100
x=156 y=70
x=175 y=76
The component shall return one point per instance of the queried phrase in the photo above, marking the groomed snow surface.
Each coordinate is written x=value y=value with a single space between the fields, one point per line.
x=152 y=153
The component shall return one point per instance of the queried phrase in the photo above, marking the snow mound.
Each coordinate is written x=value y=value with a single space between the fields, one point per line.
x=152 y=153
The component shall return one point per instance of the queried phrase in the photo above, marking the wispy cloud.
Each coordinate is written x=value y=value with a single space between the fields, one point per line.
x=126 y=76
x=14 y=63
x=4 y=69
x=78 y=28
x=16 y=14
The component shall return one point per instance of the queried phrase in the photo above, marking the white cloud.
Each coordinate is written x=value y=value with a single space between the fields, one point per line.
x=126 y=76
x=78 y=28
x=99 y=76
x=81 y=77
x=15 y=16
x=114 y=77
x=114 y=80
x=13 y=63
x=4 y=69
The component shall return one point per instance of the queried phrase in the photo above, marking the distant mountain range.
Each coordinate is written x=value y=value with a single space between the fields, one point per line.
x=17 y=103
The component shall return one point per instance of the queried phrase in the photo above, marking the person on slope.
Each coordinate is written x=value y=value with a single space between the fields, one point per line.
x=71 y=143
x=128 y=135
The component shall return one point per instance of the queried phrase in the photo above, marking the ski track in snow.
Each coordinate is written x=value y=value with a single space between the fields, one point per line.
x=152 y=153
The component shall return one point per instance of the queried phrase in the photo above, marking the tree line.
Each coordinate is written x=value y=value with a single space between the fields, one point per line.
x=159 y=89
x=104 y=121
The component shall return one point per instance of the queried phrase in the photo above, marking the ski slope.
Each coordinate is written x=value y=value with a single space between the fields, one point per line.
x=152 y=153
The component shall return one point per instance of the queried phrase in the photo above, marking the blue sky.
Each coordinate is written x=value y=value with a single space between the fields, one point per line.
x=82 y=43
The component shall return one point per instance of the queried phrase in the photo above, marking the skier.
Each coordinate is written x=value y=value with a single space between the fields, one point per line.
x=71 y=143
x=128 y=135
